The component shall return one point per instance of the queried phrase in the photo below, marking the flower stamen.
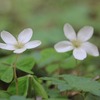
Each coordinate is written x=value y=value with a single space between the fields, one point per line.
x=76 y=43
x=19 y=45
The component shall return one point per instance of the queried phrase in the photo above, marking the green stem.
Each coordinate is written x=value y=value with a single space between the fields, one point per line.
x=76 y=62
x=15 y=74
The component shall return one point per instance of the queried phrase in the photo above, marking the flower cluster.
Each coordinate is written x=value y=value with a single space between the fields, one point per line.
x=77 y=42
x=21 y=44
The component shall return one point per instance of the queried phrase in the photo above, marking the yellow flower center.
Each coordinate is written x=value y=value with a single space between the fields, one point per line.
x=76 y=43
x=19 y=45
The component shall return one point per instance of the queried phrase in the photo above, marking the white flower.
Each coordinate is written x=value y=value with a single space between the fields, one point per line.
x=21 y=44
x=78 y=43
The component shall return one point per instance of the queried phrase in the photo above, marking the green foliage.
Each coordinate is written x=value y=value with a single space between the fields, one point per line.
x=7 y=76
x=57 y=99
x=4 y=94
x=76 y=83
x=6 y=73
x=49 y=55
x=16 y=98
x=69 y=63
x=24 y=84
x=52 y=60
x=38 y=88
x=92 y=97
x=26 y=64
x=19 y=98
x=83 y=84
x=52 y=67
x=30 y=84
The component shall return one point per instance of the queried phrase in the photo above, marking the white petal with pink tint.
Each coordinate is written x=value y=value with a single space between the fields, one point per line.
x=8 y=38
x=85 y=33
x=79 y=54
x=25 y=35
x=69 y=32
x=32 y=44
x=63 y=46
x=19 y=50
x=90 y=49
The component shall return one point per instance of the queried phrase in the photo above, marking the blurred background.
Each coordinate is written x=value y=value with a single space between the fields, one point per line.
x=47 y=18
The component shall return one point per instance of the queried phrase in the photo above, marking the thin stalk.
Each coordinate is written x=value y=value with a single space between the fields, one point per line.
x=15 y=74
x=76 y=62
x=77 y=68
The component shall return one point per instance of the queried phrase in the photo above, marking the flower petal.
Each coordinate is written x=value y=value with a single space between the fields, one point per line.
x=32 y=44
x=2 y=45
x=8 y=38
x=69 y=32
x=19 y=50
x=25 y=35
x=8 y=47
x=85 y=33
x=63 y=46
x=79 y=53
x=90 y=48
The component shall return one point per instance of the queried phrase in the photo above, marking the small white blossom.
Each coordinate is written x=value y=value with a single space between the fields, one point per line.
x=78 y=43
x=21 y=44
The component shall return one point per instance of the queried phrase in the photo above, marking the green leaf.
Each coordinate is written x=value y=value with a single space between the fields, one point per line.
x=3 y=68
x=56 y=99
x=83 y=84
x=38 y=88
x=8 y=60
x=4 y=94
x=75 y=83
x=68 y=63
x=54 y=80
x=7 y=75
x=78 y=97
x=52 y=67
x=53 y=93
x=92 y=97
x=49 y=55
x=6 y=71
x=17 y=98
x=64 y=87
x=3 y=99
x=26 y=64
x=23 y=83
